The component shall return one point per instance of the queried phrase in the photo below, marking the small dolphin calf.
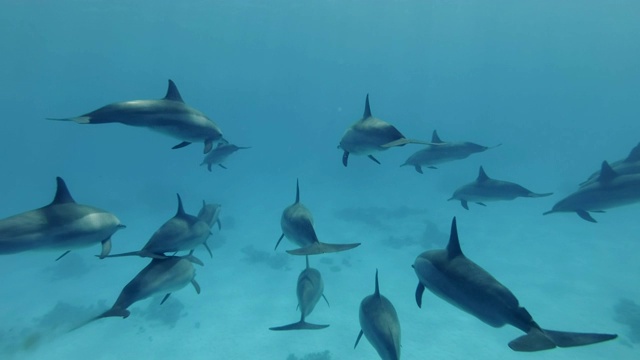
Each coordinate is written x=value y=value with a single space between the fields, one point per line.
x=210 y=213
x=309 y=290
x=297 y=226
x=453 y=277
x=218 y=155
x=486 y=189
x=443 y=152
x=379 y=323
x=370 y=135
x=626 y=166
x=169 y=115
x=61 y=225
x=181 y=232
x=608 y=191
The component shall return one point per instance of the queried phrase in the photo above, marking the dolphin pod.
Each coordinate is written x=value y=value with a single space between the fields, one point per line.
x=169 y=115
x=297 y=225
x=62 y=225
x=450 y=275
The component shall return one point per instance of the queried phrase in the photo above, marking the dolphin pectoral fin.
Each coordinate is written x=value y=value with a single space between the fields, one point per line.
x=534 y=195
x=464 y=204
x=419 y=293
x=194 y=259
x=209 y=167
x=322 y=248
x=345 y=158
x=300 y=325
x=585 y=216
x=181 y=145
x=219 y=224
x=534 y=340
x=208 y=145
x=325 y=300
x=374 y=159
x=195 y=285
x=206 y=246
x=222 y=166
x=278 y=243
x=165 y=298
x=481 y=204
x=419 y=169
x=358 y=339
x=63 y=254
x=570 y=339
x=106 y=248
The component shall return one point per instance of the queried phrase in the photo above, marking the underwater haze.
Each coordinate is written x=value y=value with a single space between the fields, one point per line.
x=555 y=82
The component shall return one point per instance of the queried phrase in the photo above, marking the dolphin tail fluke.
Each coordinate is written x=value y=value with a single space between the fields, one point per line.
x=78 y=119
x=322 y=248
x=534 y=340
x=535 y=195
x=540 y=339
x=114 y=312
x=300 y=325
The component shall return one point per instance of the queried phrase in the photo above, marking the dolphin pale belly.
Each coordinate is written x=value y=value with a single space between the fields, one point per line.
x=169 y=115
x=297 y=226
x=62 y=225
x=450 y=275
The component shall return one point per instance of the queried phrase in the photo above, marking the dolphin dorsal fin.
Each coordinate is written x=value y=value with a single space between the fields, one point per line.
x=367 y=108
x=307 y=258
x=377 y=293
x=482 y=176
x=435 y=138
x=297 y=191
x=173 y=93
x=606 y=173
x=180 y=211
x=62 y=193
x=453 y=248
x=634 y=155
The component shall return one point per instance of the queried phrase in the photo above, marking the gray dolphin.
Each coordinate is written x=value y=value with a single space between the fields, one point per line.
x=218 y=155
x=169 y=115
x=450 y=275
x=210 y=213
x=309 y=290
x=379 y=323
x=628 y=165
x=160 y=276
x=61 y=225
x=370 y=135
x=486 y=189
x=181 y=232
x=443 y=152
x=608 y=191
x=297 y=226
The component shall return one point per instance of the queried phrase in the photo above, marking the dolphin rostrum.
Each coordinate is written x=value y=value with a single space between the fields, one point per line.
x=309 y=290
x=169 y=115
x=443 y=152
x=181 y=232
x=609 y=190
x=218 y=155
x=485 y=188
x=628 y=165
x=450 y=275
x=370 y=135
x=379 y=323
x=61 y=225
x=297 y=226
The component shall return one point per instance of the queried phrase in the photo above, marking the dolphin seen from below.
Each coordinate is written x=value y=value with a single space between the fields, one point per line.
x=297 y=226
x=169 y=115
x=309 y=290
x=485 y=189
x=610 y=190
x=181 y=232
x=370 y=135
x=450 y=275
x=626 y=166
x=443 y=152
x=380 y=325
x=62 y=225
x=210 y=213
x=218 y=155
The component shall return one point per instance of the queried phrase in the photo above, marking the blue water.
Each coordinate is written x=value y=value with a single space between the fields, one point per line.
x=555 y=82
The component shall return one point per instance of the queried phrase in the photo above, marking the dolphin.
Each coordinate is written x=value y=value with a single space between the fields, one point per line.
x=309 y=290
x=297 y=226
x=210 y=213
x=218 y=155
x=370 y=135
x=169 y=115
x=442 y=153
x=181 y=232
x=160 y=276
x=485 y=188
x=379 y=323
x=450 y=275
x=628 y=165
x=608 y=191
x=61 y=225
